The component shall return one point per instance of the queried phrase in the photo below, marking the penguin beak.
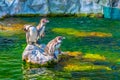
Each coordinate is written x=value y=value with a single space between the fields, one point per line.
x=47 y=21
x=24 y=29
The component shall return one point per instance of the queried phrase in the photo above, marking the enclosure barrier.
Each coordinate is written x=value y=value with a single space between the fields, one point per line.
x=111 y=12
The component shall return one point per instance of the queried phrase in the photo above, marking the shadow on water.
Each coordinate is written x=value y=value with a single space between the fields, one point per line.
x=104 y=43
x=57 y=72
x=80 y=69
x=92 y=44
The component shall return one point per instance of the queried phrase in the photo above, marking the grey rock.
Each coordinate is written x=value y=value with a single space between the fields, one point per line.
x=36 y=55
x=35 y=7
x=73 y=6
x=57 y=6
x=12 y=7
x=90 y=6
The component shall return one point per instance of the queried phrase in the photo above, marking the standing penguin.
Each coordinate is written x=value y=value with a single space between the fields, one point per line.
x=41 y=28
x=54 y=45
x=34 y=33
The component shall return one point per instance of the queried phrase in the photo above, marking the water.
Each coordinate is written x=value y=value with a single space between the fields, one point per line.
x=103 y=64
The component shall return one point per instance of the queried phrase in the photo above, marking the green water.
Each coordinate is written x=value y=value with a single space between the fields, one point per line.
x=12 y=45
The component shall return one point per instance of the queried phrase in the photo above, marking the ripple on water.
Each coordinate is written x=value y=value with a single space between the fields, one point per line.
x=11 y=48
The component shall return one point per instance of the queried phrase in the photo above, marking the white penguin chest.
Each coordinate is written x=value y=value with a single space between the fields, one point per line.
x=33 y=34
x=42 y=30
x=57 y=46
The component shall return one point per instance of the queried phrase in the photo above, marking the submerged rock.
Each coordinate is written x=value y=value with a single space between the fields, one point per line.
x=34 y=54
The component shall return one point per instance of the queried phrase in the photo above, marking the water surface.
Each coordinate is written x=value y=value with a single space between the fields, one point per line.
x=96 y=39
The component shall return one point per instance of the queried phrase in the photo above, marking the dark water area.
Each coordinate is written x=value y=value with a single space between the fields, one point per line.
x=93 y=44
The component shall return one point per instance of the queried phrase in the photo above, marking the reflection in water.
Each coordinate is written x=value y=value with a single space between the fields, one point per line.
x=46 y=74
x=109 y=47
x=80 y=70
x=34 y=73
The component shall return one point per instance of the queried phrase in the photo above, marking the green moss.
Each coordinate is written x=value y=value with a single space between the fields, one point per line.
x=82 y=15
x=48 y=64
x=92 y=15
x=60 y=15
x=3 y=17
x=27 y=15
x=94 y=57
x=72 y=67
x=77 y=33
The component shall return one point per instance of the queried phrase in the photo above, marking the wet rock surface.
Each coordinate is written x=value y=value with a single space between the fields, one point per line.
x=36 y=55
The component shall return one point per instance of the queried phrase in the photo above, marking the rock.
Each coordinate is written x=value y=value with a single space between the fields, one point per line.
x=34 y=7
x=57 y=6
x=73 y=6
x=34 y=54
x=114 y=3
x=91 y=6
x=13 y=7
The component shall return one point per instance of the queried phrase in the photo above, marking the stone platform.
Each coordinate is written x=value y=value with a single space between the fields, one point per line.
x=34 y=54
